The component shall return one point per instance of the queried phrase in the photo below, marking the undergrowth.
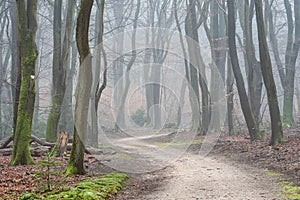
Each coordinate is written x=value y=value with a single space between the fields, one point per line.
x=95 y=189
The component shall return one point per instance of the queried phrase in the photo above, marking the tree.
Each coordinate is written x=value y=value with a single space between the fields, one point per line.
x=96 y=90
x=246 y=108
x=61 y=58
x=75 y=164
x=197 y=73
x=287 y=74
x=254 y=76
x=266 y=67
x=27 y=26
x=123 y=97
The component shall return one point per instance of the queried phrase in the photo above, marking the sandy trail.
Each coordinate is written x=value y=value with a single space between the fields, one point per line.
x=194 y=177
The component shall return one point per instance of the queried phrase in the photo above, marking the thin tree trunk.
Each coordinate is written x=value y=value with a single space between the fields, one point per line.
x=58 y=75
x=121 y=109
x=230 y=82
x=266 y=66
x=246 y=109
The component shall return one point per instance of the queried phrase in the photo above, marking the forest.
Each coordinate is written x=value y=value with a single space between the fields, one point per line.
x=149 y=99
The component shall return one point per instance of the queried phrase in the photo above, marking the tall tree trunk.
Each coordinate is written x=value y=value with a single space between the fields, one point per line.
x=15 y=71
x=93 y=133
x=67 y=118
x=58 y=75
x=61 y=61
x=75 y=164
x=121 y=109
x=218 y=49
x=27 y=26
x=266 y=66
x=246 y=109
x=292 y=50
x=229 y=83
x=118 y=65
x=191 y=32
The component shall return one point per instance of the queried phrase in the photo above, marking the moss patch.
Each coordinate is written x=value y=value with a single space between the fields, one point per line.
x=290 y=191
x=176 y=143
x=95 y=189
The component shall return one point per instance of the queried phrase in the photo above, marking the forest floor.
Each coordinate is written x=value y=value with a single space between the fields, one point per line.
x=235 y=169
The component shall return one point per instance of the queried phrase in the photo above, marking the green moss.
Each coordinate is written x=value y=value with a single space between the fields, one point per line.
x=270 y=173
x=123 y=156
x=95 y=189
x=290 y=191
x=174 y=144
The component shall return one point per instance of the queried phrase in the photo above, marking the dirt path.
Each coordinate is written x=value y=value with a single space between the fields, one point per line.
x=190 y=176
x=194 y=177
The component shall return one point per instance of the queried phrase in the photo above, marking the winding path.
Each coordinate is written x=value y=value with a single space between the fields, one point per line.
x=191 y=176
x=195 y=178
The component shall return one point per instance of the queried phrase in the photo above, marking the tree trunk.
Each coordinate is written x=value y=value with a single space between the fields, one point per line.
x=246 y=109
x=67 y=118
x=15 y=63
x=75 y=164
x=121 y=110
x=191 y=31
x=229 y=83
x=93 y=133
x=58 y=75
x=28 y=53
x=266 y=66
x=292 y=50
x=61 y=57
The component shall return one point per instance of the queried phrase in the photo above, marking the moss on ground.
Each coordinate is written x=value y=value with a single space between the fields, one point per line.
x=177 y=143
x=289 y=190
x=95 y=189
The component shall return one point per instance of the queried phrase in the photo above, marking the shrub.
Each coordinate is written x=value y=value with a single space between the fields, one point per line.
x=139 y=117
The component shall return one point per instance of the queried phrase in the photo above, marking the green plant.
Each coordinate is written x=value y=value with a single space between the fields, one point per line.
x=139 y=117
x=43 y=177
x=95 y=189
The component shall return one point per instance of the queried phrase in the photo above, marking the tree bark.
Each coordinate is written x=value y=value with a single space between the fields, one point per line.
x=75 y=164
x=61 y=56
x=27 y=27
x=246 y=109
x=121 y=110
x=266 y=67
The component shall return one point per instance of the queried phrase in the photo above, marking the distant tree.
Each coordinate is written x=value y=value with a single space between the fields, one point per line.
x=61 y=56
x=252 y=65
x=75 y=164
x=97 y=89
x=121 y=108
x=287 y=73
x=197 y=75
x=27 y=26
x=246 y=108
x=266 y=67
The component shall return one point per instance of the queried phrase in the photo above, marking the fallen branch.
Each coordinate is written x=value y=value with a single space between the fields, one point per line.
x=6 y=142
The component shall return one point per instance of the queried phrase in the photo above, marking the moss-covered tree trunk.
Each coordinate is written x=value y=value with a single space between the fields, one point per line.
x=75 y=164
x=245 y=104
x=266 y=67
x=58 y=76
x=61 y=57
x=27 y=26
